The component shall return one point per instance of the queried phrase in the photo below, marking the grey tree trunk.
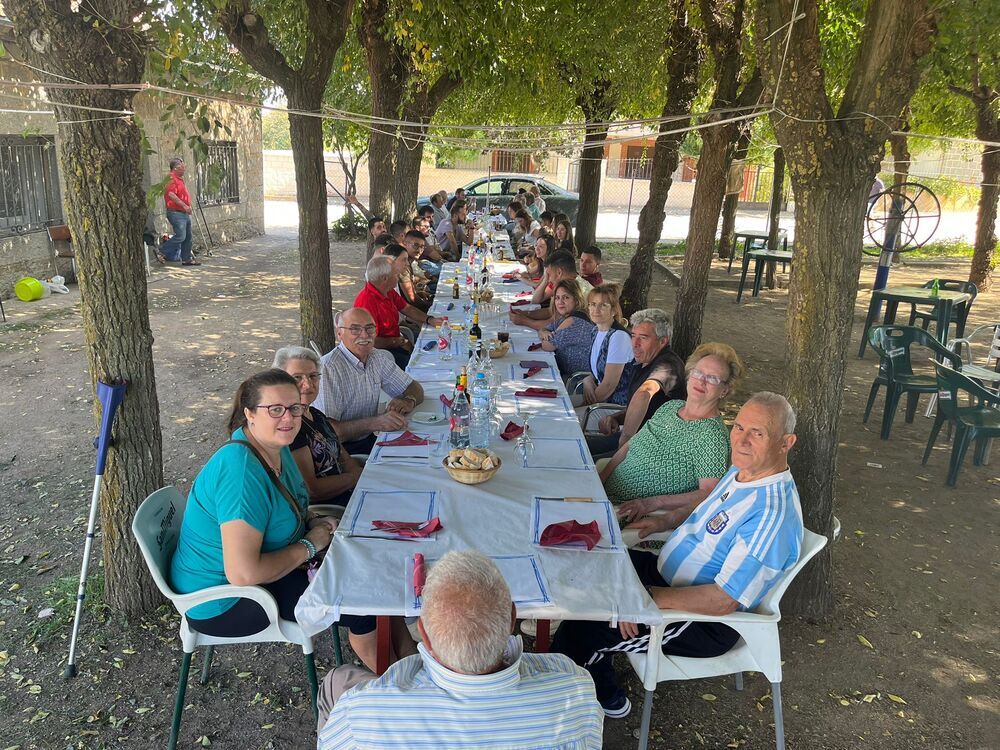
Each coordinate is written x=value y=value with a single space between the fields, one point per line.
x=682 y=86
x=832 y=159
x=585 y=232
x=731 y=202
x=100 y=161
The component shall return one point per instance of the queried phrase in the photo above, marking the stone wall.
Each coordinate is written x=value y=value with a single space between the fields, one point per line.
x=30 y=253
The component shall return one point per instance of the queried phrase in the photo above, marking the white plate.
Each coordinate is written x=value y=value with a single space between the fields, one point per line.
x=426 y=417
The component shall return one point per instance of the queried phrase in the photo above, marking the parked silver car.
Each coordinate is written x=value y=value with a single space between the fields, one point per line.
x=501 y=189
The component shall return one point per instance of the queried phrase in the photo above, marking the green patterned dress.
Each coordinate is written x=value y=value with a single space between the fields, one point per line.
x=669 y=455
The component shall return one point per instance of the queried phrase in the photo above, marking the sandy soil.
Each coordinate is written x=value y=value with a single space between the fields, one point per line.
x=913 y=571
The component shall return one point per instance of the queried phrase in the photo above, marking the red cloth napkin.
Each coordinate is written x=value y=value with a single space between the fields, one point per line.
x=419 y=574
x=526 y=363
x=408 y=529
x=524 y=294
x=538 y=392
x=406 y=439
x=535 y=347
x=446 y=401
x=516 y=303
x=571 y=533
x=532 y=371
x=511 y=431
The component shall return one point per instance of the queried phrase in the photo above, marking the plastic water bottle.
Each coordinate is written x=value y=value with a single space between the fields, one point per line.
x=459 y=420
x=479 y=425
x=444 y=341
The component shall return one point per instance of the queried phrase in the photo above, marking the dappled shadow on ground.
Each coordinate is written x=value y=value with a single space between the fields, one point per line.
x=913 y=573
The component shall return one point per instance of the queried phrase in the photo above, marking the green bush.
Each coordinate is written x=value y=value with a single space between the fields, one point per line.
x=350 y=226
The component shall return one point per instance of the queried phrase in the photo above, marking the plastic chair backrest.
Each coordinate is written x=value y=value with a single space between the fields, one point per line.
x=156 y=527
x=893 y=345
x=994 y=352
x=811 y=545
x=951 y=383
x=956 y=285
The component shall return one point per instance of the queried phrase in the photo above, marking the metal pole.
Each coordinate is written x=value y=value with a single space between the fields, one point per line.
x=892 y=227
x=628 y=214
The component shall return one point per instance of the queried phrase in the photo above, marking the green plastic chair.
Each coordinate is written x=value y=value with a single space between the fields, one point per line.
x=979 y=421
x=960 y=313
x=895 y=371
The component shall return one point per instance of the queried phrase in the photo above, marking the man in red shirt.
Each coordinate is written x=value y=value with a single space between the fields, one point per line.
x=380 y=298
x=590 y=265
x=178 y=202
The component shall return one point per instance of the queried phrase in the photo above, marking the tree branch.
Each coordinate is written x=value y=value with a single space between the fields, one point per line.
x=248 y=33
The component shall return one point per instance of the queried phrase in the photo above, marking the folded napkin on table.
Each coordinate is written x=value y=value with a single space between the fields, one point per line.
x=406 y=439
x=535 y=347
x=408 y=529
x=445 y=400
x=538 y=392
x=512 y=431
x=532 y=371
x=532 y=363
x=419 y=574
x=571 y=532
x=520 y=302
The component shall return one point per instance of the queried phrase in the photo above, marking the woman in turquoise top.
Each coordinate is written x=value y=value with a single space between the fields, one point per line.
x=682 y=451
x=246 y=521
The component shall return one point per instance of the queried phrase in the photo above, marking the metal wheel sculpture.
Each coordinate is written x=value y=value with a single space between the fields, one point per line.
x=912 y=207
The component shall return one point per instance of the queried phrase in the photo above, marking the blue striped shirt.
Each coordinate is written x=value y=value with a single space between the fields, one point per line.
x=537 y=701
x=743 y=536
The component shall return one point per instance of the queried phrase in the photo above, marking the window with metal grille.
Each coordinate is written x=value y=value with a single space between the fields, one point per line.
x=29 y=184
x=218 y=175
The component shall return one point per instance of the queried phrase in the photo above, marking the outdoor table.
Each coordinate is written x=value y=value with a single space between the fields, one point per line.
x=942 y=303
x=749 y=237
x=761 y=258
x=368 y=576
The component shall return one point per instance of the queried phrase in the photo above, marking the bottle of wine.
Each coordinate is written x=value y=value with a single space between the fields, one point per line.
x=475 y=333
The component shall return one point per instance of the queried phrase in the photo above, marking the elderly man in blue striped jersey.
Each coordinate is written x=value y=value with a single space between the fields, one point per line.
x=470 y=686
x=725 y=554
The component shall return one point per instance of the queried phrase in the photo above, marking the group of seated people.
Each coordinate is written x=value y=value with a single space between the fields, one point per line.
x=297 y=432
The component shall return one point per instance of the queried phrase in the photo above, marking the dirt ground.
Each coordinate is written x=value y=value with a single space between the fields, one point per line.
x=907 y=660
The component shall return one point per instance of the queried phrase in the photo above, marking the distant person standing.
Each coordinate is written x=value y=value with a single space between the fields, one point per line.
x=178 y=203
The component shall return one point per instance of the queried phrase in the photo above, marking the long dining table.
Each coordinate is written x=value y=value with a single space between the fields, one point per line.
x=369 y=572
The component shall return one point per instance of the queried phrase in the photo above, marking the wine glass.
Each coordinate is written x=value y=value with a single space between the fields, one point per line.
x=524 y=447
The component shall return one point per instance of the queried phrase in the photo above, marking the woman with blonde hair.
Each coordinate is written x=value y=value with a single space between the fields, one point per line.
x=678 y=456
x=611 y=358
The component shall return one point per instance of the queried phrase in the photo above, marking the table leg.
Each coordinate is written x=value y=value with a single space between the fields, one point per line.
x=542 y=636
x=873 y=309
x=890 y=311
x=383 y=642
x=758 y=275
x=743 y=276
x=944 y=308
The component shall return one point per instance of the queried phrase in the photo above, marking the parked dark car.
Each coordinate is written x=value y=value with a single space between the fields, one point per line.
x=501 y=189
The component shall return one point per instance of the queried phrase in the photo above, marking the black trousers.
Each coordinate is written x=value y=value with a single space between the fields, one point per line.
x=247 y=617
x=592 y=645
x=401 y=356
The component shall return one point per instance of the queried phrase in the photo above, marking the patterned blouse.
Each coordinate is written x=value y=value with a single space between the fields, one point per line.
x=668 y=456
x=572 y=343
x=322 y=441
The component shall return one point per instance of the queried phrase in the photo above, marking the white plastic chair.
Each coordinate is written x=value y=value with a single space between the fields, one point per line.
x=156 y=527
x=758 y=650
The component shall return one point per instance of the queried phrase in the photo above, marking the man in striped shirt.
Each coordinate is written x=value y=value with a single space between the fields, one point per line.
x=725 y=554
x=470 y=687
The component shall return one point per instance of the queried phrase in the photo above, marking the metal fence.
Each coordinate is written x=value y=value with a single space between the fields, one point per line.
x=29 y=184
x=218 y=175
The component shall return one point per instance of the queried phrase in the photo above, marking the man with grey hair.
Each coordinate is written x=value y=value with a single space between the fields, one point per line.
x=380 y=298
x=441 y=213
x=354 y=375
x=658 y=379
x=469 y=682
x=725 y=553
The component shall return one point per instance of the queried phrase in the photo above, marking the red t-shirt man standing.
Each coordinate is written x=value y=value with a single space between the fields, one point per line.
x=178 y=203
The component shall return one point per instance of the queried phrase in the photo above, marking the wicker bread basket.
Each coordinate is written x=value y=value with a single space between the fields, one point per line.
x=472 y=476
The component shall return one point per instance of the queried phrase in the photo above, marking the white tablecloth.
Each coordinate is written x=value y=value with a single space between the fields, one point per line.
x=365 y=576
